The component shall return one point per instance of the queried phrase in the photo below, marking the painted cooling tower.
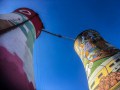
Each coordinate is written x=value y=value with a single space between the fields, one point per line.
x=16 y=49
x=101 y=61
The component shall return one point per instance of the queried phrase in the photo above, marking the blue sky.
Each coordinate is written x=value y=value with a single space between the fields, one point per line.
x=57 y=66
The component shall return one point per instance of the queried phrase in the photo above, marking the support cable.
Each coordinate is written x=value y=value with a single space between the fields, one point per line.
x=58 y=35
x=20 y=24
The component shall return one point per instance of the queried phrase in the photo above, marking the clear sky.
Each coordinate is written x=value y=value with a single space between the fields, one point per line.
x=57 y=66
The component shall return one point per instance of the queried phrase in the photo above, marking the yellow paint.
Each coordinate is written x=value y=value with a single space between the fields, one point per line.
x=97 y=79
x=108 y=66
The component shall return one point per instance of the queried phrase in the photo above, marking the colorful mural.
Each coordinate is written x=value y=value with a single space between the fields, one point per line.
x=101 y=61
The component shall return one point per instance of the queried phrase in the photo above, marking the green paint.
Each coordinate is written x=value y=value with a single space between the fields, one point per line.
x=30 y=35
x=97 y=64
